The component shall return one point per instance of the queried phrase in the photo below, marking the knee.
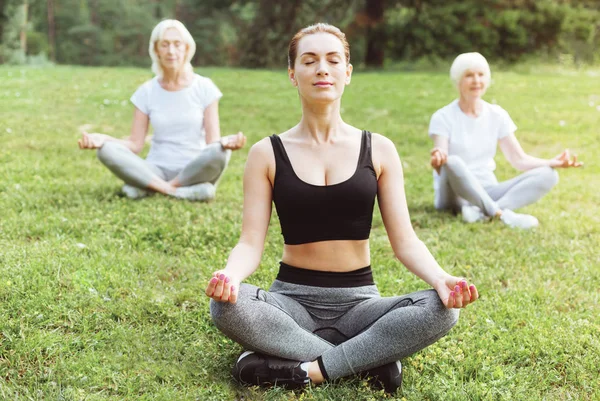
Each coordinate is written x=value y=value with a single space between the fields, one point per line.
x=444 y=317
x=218 y=311
x=450 y=317
x=224 y=314
x=108 y=153
x=548 y=176
x=455 y=163
x=218 y=152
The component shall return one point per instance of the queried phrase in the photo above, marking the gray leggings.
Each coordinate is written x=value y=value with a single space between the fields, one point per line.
x=135 y=171
x=459 y=186
x=348 y=329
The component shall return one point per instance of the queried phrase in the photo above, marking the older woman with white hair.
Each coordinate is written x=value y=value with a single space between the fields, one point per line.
x=187 y=155
x=465 y=135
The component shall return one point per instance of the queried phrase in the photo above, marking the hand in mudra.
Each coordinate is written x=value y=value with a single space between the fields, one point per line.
x=455 y=292
x=223 y=287
x=233 y=142
x=438 y=159
x=92 y=141
x=564 y=160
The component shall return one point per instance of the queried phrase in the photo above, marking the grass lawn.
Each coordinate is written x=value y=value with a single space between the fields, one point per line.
x=101 y=297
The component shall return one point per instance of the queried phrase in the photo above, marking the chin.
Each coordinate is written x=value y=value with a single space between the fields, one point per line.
x=329 y=98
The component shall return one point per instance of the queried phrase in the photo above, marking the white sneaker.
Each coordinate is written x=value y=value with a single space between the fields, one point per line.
x=518 y=220
x=200 y=192
x=134 y=193
x=472 y=214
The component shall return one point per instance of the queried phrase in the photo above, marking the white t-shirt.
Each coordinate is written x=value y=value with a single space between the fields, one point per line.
x=177 y=118
x=474 y=140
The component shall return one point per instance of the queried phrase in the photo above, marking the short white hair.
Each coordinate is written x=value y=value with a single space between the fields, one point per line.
x=469 y=61
x=158 y=33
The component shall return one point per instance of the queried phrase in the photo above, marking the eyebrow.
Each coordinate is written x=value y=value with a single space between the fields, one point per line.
x=314 y=54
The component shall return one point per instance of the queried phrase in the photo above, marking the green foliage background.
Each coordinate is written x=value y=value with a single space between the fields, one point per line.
x=255 y=33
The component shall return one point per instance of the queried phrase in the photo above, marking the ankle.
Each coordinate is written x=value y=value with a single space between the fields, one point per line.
x=162 y=187
x=314 y=373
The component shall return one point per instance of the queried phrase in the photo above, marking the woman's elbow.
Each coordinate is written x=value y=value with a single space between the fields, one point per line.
x=135 y=147
x=516 y=161
x=406 y=246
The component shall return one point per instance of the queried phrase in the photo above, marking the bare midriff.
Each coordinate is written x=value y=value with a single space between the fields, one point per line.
x=332 y=256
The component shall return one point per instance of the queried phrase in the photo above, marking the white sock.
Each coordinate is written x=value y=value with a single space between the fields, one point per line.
x=198 y=192
x=134 y=193
x=472 y=214
x=304 y=366
x=518 y=220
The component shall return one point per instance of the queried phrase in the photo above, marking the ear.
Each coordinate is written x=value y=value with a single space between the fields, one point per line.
x=349 y=69
x=292 y=76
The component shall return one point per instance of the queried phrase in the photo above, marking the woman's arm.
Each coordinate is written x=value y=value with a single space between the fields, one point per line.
x=212 y=130
x=245 y=256
x=135 y=141
x=411 y=251
x=211 y=123
x=439 y=153
x=516 y=156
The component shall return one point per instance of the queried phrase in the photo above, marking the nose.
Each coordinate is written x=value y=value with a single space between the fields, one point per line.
x=322 y=68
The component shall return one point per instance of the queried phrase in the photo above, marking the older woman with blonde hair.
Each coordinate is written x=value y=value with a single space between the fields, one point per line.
x=188 y=155
x=465 y=134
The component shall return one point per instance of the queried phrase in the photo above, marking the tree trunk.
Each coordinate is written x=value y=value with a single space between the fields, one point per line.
x=51 y=31
x=23 y=34
x=93 y=51
x=376 y=36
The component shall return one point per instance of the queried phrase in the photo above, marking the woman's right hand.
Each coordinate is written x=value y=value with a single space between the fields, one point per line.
x=233 y=142
x=564 y=160
x=223 y=287
x=438 y=159
x=92 y=141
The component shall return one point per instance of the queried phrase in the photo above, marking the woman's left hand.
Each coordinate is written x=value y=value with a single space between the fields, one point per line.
x=455 y=292
x=564 y=160
x=233 y=142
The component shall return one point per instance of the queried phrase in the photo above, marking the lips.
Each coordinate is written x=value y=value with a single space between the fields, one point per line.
x=323 y=83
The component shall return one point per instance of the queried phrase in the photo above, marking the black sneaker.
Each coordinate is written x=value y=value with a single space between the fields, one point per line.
x=254 y=369
x=388 y=377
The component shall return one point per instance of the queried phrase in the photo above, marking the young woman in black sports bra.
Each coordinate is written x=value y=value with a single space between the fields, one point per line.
x=323 y=317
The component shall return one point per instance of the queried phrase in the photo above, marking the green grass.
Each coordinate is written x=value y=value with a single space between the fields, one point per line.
x=123 y=316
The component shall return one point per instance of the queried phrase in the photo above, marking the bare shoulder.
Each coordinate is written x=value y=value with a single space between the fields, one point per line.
x=261 y=157
x=261 y=151
x=262 y=147
x=384 y=152
x=383 y=147
x=382 y=141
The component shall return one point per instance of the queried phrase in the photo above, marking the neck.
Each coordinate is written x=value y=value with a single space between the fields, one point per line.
x=470 y=106
x=322 y=122
x=173 y=76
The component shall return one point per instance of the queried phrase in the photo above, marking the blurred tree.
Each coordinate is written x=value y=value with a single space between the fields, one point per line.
x=51 y=31
x=264 y=36
x=256 y=33
x=11 y=24
x=506 y=29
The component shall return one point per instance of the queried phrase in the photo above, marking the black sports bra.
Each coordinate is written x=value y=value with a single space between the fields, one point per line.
x=313 y=213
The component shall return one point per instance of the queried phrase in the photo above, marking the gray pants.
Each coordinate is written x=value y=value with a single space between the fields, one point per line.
x=459 y=186
x=350 y=329
x=137 y=172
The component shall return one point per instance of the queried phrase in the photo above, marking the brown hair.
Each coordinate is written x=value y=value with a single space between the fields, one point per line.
x=310 y=30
